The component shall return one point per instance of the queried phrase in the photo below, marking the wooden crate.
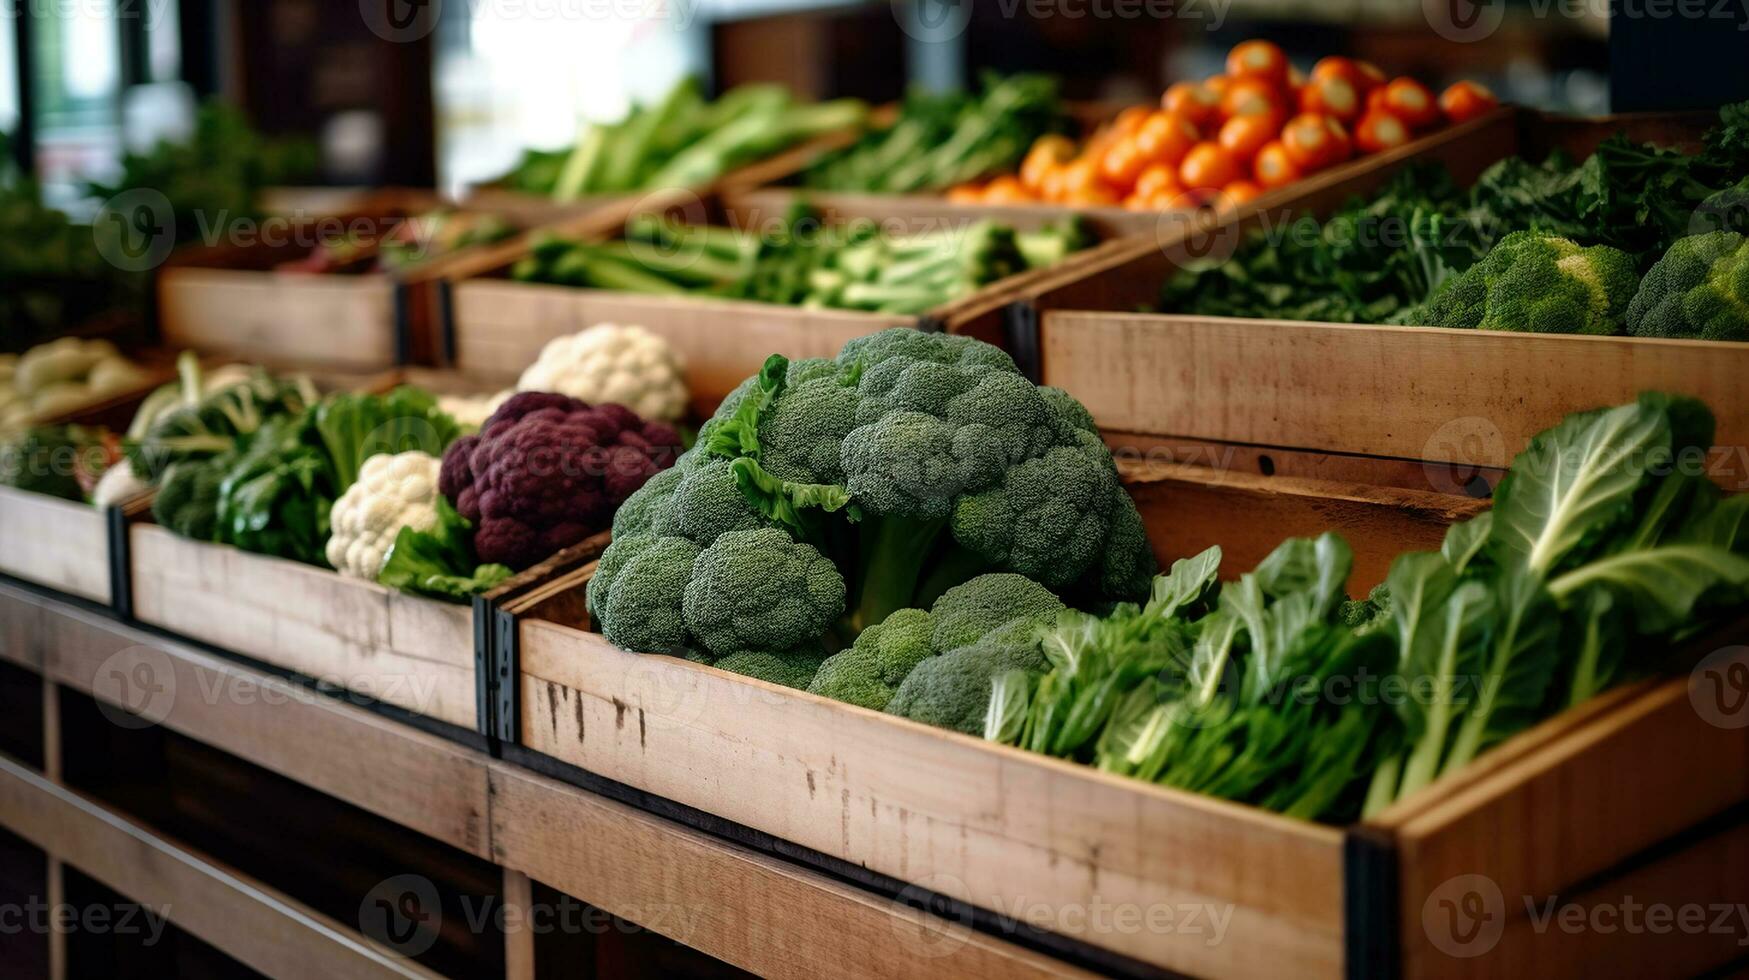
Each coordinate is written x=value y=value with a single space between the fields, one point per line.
x=233 y=298
x=63 y=544
x=991 y=826
x=499 y=325
x=1450 y=407
x=409 y=651
x=1437 y=144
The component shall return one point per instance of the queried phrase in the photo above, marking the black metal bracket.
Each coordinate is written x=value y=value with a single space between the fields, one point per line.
x=1372 y=946
x=1020 y=329
x=483 y=661
x=506 y=667
x=121 y=581
x=403 y=313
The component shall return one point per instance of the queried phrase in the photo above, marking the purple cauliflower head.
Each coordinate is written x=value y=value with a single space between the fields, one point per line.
x=547 y=470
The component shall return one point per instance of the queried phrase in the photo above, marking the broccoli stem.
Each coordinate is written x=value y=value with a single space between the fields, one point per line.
x=890 y=550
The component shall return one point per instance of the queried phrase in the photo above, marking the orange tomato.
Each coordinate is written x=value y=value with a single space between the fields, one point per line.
x=1243 y=136
x=1137 y=201
x=1081 y=178
x=1121 y=163
x=1190 y=200
x=1250 y=97
x=1332 y=96
x=1375 y=101
x=1466 y=100
x=1237 y=193
x=1006 y=190
x=1217 y=84
x=1273 y=167
x=1208 y=167
x=1345 y=69
x=1412 y=102
x=1192 y=100
x=1379 y=130
x=1314 y=141
x=1094 y=195
x=1047 y=153
x=1165 y=138
x=1131 y=118
x=1157 y=178
x=1260 y=60
x=965 y=194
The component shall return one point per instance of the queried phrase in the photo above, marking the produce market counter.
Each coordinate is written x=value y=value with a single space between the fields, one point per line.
x=745 y=908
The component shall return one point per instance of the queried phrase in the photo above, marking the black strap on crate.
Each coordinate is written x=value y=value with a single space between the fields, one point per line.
x=1372 y=947
x=1020 y=331
x=484 y=689
x=121 y=580
x=506 y=670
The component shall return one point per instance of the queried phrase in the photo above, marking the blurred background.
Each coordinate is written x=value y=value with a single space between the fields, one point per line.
x=449 y=93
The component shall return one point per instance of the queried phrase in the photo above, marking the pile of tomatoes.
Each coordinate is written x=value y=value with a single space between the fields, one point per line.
x=1229 y=138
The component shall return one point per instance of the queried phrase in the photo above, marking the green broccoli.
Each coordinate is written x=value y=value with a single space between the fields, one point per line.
x=644 y=568
x=789 y=668
x=953 y=690
x=869 y=672
x=1699 y=289
x=1366 y=615
x=912 y=463
x=1537 y=283
x=758 y=590
x=966 y=613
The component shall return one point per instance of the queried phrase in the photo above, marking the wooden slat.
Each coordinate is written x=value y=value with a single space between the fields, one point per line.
x=990 y=825
x=519 y=946
x=1450 y=396
x=501 y=327
x=342 y=321
x=1681 y=915
x=409 y=651
x=1378 y=471
x=21 y=628
x=253 y=924
x=62 y=544
x=1188 y=508
x=420 y=781
x=746 y=909
x=1569 y=803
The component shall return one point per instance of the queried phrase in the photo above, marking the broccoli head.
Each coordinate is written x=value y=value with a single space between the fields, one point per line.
x=1699 y=289
x=790 y=668
x=547 y=471
x=991 y=611
x=1538 y=283
x=187 y=501
x=953 y=689
x=911 y=463
x=869 y=672
x=761 y=590
x=643 y=586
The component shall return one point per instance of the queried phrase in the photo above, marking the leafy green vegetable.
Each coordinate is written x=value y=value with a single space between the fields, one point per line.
x=352 y=427
x=275 y=498
x=440 y=563
x=51 y=459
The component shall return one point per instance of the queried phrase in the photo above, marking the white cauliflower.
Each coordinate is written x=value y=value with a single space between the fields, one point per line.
x=392 y=492
x=629 y=366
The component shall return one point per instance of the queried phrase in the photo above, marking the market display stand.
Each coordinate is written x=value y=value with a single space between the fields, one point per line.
x=750 y=909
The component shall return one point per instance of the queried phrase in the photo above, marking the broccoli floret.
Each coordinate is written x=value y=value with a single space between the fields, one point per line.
x=1538 y=283
x=966 y=613
x=953 y=690
x=869 y=672
x=790 y=668
x=641 y=510
x=641 y=587
x=1699 y=289
x=912 y=463
x=1366 y=615
x=760 y=590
